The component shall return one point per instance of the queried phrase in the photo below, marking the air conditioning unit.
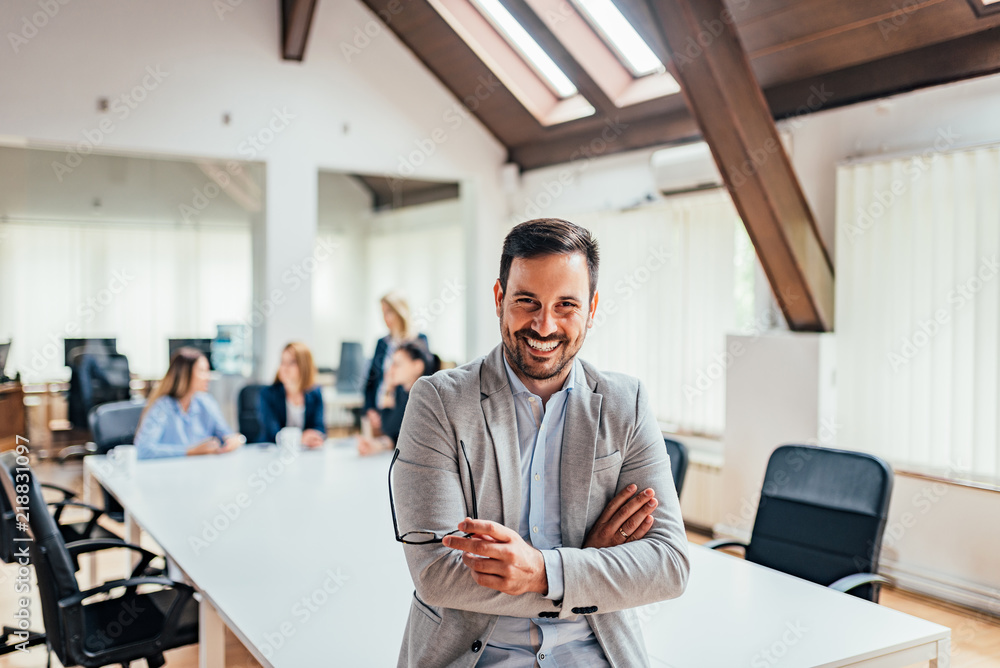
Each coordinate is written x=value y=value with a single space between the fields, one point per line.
x=684 y=169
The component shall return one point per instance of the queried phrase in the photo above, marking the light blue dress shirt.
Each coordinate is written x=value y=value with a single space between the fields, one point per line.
x=167 y=430
x=518 y=642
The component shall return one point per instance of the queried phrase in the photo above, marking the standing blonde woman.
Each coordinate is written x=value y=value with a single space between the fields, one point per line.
x=396 y=313
x=181 y=417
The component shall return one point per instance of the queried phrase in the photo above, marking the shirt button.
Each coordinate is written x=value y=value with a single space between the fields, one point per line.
x=531 y=399
x=541 y=657
x=537 y=477
x=535 y=529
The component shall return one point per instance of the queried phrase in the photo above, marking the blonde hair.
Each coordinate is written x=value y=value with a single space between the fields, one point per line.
x=177 y=382
x=401 y=308
x=303 y=360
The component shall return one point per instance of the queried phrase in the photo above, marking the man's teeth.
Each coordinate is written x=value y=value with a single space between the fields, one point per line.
x=544 y=346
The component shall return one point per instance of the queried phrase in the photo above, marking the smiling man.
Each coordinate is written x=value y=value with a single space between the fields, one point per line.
x=533 y=492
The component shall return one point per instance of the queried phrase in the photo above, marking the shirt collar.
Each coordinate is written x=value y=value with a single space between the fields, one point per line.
x=517 y=387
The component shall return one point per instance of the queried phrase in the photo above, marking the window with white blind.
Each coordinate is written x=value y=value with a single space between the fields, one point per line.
x=142 y=283
x=918 y=311
x=672 y=285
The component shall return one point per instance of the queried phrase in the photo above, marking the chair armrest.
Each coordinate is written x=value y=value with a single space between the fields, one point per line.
x=130 y=583
x=849 y=582
x=96 y=544
x=67 y=493
x=722 y=542
x=76 y=451
x=59 y=506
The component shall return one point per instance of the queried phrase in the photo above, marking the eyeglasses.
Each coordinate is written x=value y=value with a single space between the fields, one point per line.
x=429 y=537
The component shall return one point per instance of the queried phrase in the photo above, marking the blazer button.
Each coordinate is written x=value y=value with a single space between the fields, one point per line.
x=476 y=646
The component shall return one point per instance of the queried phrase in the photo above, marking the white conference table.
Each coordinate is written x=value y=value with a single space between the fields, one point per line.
x=302 y=567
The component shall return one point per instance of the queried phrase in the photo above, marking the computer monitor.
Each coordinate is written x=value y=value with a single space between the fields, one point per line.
x=204 y=345
x=4 y=352
x=76 y=346
x=350 y=375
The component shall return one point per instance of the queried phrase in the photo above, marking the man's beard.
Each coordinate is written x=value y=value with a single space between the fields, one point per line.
x=530 y=368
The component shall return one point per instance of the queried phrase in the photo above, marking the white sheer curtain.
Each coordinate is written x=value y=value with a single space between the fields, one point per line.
x=918 y=296
x=666 y=303
x=141 y=283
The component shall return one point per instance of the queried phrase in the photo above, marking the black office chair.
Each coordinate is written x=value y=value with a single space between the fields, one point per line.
x=116 y=629
x=678 y=453
x=248 y=411
x=97 y=378
x=112 y=425
x=821 y=517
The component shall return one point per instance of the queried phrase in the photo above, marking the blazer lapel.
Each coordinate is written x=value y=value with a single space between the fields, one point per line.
x=576 y=471
x=501 y=422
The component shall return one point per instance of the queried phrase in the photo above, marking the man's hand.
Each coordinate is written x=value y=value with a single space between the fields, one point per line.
x=499 y=558
x=624 y=513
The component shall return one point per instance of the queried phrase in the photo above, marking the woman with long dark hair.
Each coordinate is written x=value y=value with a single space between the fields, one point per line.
x=181 y=418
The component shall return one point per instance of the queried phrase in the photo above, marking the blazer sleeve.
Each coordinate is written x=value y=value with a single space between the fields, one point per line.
x=375 y=373
x=314 y=410
x=430 y=495
x=269 y=424
x=652 y=569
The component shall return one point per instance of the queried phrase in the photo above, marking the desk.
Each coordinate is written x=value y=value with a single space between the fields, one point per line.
x=12 y=412
x=273 y=543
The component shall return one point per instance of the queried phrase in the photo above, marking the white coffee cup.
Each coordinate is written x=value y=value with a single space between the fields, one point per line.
x=289 y=438
x=123 y=458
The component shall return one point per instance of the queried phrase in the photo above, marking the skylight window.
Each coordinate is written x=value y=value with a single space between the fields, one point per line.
x=533 y=54
x=606 y=18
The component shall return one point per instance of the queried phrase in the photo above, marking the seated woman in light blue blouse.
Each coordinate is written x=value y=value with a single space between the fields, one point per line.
x=181 y=417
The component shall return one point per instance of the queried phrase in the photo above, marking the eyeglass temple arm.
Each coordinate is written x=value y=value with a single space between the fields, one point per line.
x=472 y=482
x=392 y=504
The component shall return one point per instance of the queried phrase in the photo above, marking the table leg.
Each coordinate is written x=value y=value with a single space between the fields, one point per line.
x=133 y=534
x=88 y=496
x=211 y=636
x=943 y=659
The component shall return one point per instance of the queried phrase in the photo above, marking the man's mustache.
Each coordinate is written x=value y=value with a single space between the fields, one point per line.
x=530 y=333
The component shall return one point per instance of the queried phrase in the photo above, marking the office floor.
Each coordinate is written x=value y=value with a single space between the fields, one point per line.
x=975 y=638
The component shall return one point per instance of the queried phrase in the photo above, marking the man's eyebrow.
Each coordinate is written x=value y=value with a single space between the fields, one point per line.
x=525 y=293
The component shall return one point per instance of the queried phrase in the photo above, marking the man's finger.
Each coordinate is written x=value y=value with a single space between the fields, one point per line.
x=617 y=502
x=638 y=517
x=643 y=529
x=487 y=528
x=483 y=565
x=631 y=506
x=475 y=546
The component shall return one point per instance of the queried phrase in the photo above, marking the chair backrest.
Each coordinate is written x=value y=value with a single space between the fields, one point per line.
x=248 y=411
x=8 y=530
x=53 y=566
x=114 y=424
x=822 y=514
x=351 y=374
x=678 y=453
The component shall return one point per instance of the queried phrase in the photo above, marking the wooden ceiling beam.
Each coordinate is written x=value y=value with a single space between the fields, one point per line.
x=729 y=107
x=296 y=20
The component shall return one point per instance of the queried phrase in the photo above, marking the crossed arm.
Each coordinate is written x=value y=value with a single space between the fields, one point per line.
x=495 y=571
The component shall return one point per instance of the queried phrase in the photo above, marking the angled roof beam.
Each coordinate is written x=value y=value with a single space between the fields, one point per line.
x=296 y=20
x=729 y=107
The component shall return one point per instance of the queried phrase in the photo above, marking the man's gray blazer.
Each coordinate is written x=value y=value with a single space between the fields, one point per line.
x=611 y=439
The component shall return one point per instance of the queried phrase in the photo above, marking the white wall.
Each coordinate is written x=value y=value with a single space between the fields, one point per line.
x=365 y=114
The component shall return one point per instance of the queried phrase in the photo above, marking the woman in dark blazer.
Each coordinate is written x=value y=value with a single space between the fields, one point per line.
x=293 y=400
x=396 y=313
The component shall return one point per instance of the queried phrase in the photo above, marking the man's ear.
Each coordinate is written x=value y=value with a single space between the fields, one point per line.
x=498 y=297
x=593 y=310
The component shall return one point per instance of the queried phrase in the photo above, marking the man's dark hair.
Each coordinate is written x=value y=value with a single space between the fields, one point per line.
x=549 y=236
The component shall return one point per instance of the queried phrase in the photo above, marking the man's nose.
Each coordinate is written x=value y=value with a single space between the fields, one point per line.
x=544 y=324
